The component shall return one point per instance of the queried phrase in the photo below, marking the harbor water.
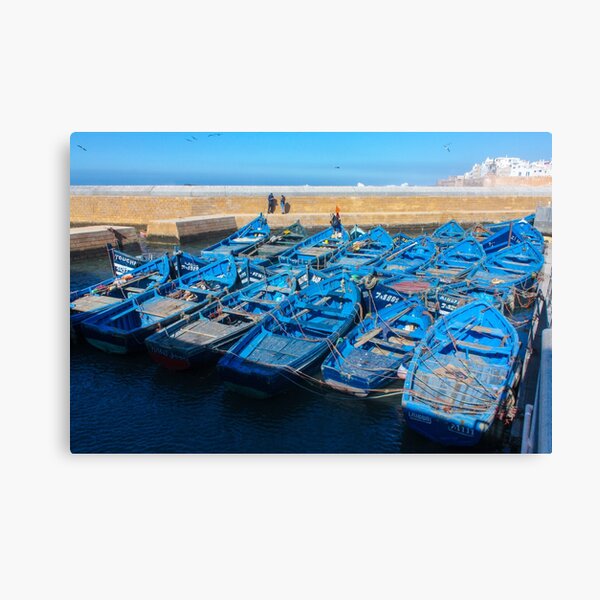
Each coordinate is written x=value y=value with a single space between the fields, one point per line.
x=128 y=404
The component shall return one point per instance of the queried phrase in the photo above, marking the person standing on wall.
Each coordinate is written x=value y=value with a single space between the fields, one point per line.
x=336 y=223
x=282 y=204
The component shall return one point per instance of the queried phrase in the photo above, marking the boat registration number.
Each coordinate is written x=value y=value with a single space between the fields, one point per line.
x=461 y=429
x=419 y=417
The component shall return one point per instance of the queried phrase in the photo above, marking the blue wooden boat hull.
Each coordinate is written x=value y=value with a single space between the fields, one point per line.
x=493 y=227
x=316 y=250
x=200 y=338
x=157 y=272
x=456 y=262
x=512 y=268
x=511 y=235
x=447 y=234
x=124 y=328
x=280 y=242
x=263 y=381
x=291 y=341
x=364 y=250
x=359 y=365
x=450 y=431
x=460 y=377
x=401 y=238
x=407 y=259
x=245 y=240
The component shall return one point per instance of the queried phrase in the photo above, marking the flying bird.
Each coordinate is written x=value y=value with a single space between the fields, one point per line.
x=84 y=149
x=447 y=147
x=336 y=167
x=211 y=134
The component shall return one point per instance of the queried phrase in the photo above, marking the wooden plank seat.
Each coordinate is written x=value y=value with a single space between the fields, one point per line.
x=489 y=330
x=276 y=288
x=436 y=271
x=389 y=345
x=241 y=313
x=317 y=303
x=91 y=302
x=164 y=307
x=130 y=282
x=369 y=335
x=203 y=332
x=316 y=251
x=280 y=350
x=476 y=346
x=402 y=339
x=271 y=249
x=325 y=311
x=134 y=290
x=262 y=301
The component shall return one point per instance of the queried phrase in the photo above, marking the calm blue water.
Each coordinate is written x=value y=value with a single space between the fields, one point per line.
x=123 y=404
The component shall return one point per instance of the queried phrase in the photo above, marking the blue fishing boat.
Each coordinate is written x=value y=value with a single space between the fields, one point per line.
x=413 y=255
x=199 y=337
x=493 y=227
x=316 y=250
x=356 y=232
x=376 y=353
x=461 y=376
x=280 y=242
x=124 y=328
x=513 y=267
x=449 y=297
x=122 y=263
x=184 y=262
x=512 y=234
x=447 y=234
x=365 y=249
x=304 y=274
x=401 y=238
x=441 y=298
x=244 y=240
x=250 y=270
x=99 y=297
x=415 y=286
x=293 y=339
x=358 y=274
x=457 y=261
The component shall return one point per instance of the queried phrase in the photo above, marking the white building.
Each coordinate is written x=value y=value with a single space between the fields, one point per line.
x=505 y=166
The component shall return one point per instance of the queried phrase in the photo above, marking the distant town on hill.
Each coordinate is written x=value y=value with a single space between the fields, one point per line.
x=504 y=171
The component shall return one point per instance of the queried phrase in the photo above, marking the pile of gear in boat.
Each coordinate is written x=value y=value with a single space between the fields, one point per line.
x=440 y=319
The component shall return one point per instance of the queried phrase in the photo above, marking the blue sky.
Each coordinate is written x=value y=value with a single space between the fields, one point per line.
x=290 y=158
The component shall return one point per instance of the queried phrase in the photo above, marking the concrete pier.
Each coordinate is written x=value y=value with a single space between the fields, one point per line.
x=176 y=230
x=86 y=239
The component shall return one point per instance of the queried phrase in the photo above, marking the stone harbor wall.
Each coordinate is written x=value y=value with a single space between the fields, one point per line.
x=180 y=212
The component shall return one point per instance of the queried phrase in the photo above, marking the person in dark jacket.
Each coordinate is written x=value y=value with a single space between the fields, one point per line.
x=336 y=223
x=271 y=204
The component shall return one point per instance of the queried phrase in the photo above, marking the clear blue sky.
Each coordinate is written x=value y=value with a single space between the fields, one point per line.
x=290 y=158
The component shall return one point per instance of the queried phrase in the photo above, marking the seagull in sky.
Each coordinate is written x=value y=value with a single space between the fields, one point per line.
x=336 y=167
x=211 y=134
x=447 y=147
x=84 y=149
